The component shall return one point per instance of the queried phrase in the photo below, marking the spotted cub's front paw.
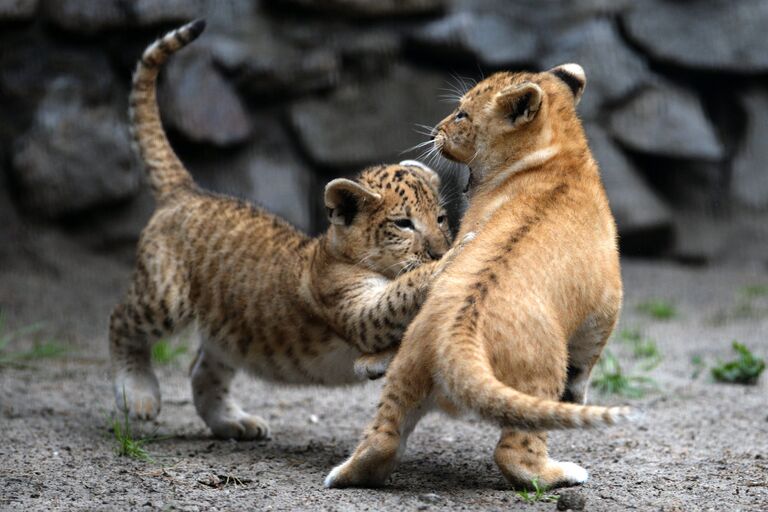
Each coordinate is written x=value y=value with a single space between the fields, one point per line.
x=453 y=252
x=374 y=366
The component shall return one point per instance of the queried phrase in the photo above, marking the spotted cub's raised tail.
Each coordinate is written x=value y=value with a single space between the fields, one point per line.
x=469 y=378
x=165 y=171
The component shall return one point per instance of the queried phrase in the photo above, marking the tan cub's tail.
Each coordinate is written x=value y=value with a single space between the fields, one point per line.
x=468 y=376
x=165 y=171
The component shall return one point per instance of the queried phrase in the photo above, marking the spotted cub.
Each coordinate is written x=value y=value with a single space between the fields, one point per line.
x=265 y=297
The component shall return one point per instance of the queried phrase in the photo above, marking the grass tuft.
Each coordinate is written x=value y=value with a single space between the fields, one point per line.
x=164 y=353
x=40 y=350
x=539 y=493
x=642 y=348
x=659 y=309
x=127 y=445
x=611 y=379
x=746 y=369
x=698 y=366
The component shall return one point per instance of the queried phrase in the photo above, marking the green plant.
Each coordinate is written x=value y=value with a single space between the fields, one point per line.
x=127 y=445
x=611 y=379
x=698 y=366
x=642 y=348
x=746 y=369
x=40 y=350
x=539 y=493
x=754 y=291
x=164 y=353
x=659 y=309
x=744 y=307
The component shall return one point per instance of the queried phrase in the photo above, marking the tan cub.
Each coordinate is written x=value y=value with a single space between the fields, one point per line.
x=265 y=297
x=518 y=319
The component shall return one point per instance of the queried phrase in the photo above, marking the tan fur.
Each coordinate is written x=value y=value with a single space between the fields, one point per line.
x=265 y=297
x=519 y=318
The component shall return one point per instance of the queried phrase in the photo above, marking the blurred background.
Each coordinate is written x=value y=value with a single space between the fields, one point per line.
x=279 y=97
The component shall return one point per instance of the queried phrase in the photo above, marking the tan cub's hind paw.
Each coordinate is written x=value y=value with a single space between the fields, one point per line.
x=555 y=474
x=349 y=474
x=241 y=427
x=139 y=395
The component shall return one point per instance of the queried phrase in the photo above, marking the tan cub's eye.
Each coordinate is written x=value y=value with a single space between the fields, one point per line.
x=404 y=223
x=461 y=115
x=441 y=218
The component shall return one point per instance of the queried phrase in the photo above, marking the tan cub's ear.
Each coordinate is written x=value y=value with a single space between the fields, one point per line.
x=574 y=77
x=432 y=177
x=520 y=103
x=343 y=199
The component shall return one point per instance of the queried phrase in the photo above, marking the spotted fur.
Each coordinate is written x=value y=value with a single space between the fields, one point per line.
x=518 y=320
x=265 y=297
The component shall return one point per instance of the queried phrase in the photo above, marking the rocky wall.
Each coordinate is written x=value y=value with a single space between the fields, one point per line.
x=280 y=96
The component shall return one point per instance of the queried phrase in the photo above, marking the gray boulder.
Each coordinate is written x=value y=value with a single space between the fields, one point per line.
x=668 y=121
x=17 y=10
x=749 y=179
x=30 y=63
x=344 y=131
x=75 y=156
x=641 y=216
x=264 y=172
x=198 y=102
x=370 y=9
x=493 y=40
x=267 y=66
x=90 y=16
x=706 y=34
x=613 y=70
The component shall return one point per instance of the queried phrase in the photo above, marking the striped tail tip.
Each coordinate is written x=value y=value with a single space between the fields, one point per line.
x=617 y=415
x=195 y=28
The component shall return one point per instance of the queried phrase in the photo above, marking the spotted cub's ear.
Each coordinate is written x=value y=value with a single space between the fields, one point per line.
x=432 y=177
x=344 y=198
x=574 y=77
x=520 y=103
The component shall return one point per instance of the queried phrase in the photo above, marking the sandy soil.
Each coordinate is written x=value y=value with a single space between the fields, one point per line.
x=700 y=445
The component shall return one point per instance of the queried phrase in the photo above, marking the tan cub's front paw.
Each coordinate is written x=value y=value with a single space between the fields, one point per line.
x=241 y=426
x=139 y=395
x=374 y=366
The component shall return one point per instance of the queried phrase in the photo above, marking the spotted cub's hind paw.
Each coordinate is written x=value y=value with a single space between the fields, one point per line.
x=244 y=427
x=139 y=395
x=374 y=366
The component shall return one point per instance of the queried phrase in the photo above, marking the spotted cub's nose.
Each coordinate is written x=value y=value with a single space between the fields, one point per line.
x=434 y=253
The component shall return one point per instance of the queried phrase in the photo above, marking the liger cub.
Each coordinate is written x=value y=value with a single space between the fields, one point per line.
x=265 y=297
x=518 y=319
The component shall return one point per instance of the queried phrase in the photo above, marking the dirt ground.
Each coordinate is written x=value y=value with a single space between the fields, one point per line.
x=699 y=446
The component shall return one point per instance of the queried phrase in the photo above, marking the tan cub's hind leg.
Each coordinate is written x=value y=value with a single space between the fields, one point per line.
x=404 y=402
x=584 y=349
x=210 y=390
x=522 y=457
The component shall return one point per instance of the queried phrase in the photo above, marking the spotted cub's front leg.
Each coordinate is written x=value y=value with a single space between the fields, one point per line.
x=396 y=307
x=210 y=390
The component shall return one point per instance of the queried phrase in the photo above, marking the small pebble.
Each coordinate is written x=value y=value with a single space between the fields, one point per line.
x=571 y=500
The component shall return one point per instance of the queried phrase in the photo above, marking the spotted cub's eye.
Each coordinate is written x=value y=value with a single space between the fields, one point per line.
x=441 y=219
x=404 y=223
x=461 y=115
